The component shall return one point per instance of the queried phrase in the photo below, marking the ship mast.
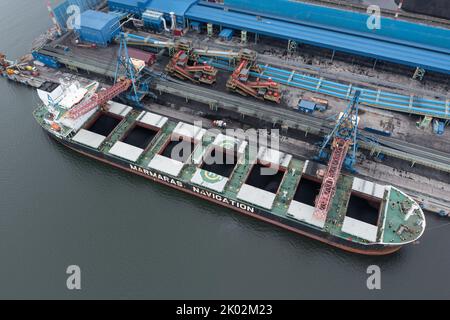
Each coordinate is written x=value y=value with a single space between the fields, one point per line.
x=52 y=16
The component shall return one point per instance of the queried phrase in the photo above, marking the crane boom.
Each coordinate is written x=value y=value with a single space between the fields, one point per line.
x=99 y=99
x=328 y=189
x=343 y=135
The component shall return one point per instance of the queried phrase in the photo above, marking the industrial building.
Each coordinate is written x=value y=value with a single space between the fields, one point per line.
x=415 y=45
x=66 y=9
x=98 y=27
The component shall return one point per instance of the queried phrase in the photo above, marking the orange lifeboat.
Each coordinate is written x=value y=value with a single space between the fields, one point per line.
x=56 y=127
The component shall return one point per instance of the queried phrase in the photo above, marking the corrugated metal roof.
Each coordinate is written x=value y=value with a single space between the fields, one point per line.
x=96 y=20
x=179 y=7
x=359 y=45
x=347 y=21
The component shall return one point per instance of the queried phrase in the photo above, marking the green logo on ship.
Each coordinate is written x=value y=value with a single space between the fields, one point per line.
x=210 y=177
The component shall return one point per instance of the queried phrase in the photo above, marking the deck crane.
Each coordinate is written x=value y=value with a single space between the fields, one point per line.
x=121 y=85
x=99 y=99
x=343 y=138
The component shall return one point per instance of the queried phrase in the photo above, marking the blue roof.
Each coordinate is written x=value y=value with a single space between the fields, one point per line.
x=130 y=3
x=226 y=33
x=347 y=21
x=96 y=20
x=305 y=104
x=350 y=43
x=179 y=7
x=127 y=4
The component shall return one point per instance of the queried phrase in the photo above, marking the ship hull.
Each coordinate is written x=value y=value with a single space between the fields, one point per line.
x=159 y=177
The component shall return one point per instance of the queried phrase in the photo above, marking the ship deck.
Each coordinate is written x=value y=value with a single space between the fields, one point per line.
x=145 y=139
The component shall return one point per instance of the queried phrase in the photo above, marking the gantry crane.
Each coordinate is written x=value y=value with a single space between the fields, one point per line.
x=121 y=85
x=343 y=138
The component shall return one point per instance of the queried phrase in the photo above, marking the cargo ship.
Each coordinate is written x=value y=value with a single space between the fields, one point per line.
x=365 y=217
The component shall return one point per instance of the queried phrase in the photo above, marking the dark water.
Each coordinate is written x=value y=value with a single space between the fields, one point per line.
x=135 y=239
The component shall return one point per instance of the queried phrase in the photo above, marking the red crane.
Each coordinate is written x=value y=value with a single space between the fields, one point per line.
x=239 y=82
x=179 y=67
x=344 y=136
x=99 y=98
x=328 y=189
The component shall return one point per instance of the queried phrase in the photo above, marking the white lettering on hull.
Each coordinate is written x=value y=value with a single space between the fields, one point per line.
x=157 y=176
x=208 y=194
x=223 y=199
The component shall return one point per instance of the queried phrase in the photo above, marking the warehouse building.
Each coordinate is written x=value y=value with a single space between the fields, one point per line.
x=397 y=41
x=98 y=27
x=65 y=11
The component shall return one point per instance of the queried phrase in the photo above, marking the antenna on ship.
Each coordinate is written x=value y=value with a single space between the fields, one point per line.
x=53 y=17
